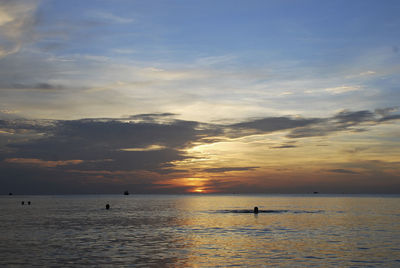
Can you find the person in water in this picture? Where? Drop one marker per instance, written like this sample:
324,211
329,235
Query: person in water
255,210
107,206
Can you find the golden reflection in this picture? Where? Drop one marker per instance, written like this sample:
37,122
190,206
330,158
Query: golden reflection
314,230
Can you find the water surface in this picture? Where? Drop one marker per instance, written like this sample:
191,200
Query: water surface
200,230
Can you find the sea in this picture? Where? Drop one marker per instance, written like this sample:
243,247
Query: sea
200,231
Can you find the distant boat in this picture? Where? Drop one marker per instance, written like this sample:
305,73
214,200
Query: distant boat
126,193
316,192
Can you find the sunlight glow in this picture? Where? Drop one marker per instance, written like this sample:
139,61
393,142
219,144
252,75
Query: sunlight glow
198,190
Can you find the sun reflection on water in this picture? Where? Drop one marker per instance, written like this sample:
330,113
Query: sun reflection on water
201,230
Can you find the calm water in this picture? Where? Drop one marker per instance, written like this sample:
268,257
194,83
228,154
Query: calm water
162,230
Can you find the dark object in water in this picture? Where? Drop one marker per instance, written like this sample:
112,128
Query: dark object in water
22,203
255,210
107,206
29,202
126,193
315,192
9,193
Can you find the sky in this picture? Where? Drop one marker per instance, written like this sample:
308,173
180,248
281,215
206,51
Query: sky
199,96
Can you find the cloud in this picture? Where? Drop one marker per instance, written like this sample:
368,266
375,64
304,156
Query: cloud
344,121
96,151
162,133
131,146
343,171
110,17
342,89
228,169
153,147
349,117
367,73
268,125
95,84
388,114
386,111
40,86
41,163
285,146
311,127
17,19
19,125
37,73
146,149
390,118
153,117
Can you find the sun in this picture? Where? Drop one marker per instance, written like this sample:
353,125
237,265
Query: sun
192,184
198,190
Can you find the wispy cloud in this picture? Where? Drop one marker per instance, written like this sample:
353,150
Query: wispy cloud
342,121
367,73
342,171
39,86
42,163
284,146
17,19
103,15
228,169
342,89
153,147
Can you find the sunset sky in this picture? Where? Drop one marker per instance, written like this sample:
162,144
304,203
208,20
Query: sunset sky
199,96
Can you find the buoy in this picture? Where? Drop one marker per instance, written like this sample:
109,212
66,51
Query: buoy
255,210
107,206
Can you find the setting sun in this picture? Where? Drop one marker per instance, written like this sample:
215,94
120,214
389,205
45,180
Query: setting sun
198,191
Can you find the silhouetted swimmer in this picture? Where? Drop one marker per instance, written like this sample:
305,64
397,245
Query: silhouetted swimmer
29,202
107,206
255,210
22,203
9,193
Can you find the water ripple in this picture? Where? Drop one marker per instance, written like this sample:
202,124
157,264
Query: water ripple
276,211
